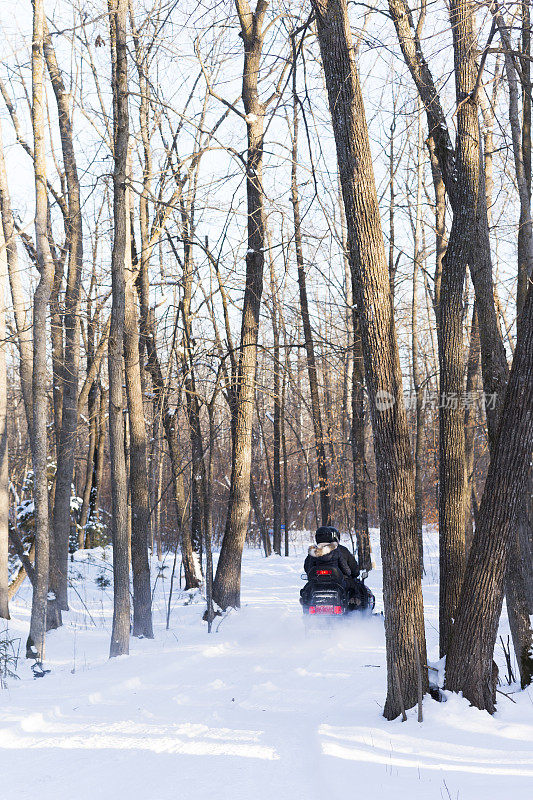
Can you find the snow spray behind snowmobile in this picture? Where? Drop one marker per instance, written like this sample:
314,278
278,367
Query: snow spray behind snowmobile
326,594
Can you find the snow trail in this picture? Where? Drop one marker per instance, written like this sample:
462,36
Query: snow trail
256,710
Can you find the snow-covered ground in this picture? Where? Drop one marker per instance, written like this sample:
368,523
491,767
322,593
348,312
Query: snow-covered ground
255,711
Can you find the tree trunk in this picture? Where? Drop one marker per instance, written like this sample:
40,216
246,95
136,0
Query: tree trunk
35,645
98,469
92,406
276,455
362,534
472,373
260,519
469,667
227,585
70,366
22,323
119,487
285,461
493,358
316,414
404,623
169,420
4,452
417,381
140,501
357,400
208,521
452,463
198,476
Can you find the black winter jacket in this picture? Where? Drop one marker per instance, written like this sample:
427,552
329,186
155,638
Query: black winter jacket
350,560
327,554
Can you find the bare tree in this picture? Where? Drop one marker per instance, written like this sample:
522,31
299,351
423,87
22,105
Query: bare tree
35,645
121,591
4,452
69,372
227,584
404,625
140,502
469,667
466,190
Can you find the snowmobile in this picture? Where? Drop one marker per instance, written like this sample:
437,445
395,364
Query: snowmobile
327,595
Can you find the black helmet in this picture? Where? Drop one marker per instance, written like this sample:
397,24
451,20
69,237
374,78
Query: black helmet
327,533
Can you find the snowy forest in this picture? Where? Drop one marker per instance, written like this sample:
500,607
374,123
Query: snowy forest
265,271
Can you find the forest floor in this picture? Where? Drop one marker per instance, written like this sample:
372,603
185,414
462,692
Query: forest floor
255,711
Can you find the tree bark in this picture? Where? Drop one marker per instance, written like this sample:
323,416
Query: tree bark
276,450
260,519
452,463
357,400
523,179
35,645
494,366
227,584
140,501
119,488
362,534
404,623
469,666
472,372
70,366
417,380
4,450
198,472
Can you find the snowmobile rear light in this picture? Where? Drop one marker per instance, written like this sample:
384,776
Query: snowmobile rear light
312,609
323,572
337,609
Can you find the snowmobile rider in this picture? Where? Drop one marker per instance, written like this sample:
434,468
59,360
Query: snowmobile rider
327,539
327,553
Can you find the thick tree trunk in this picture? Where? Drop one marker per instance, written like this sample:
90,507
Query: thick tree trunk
404,623
119,487
469,666
521,571
4,452
493,358
526,516
227,584
452,462
35,644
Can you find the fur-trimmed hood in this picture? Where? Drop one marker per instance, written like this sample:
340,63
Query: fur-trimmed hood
323,549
